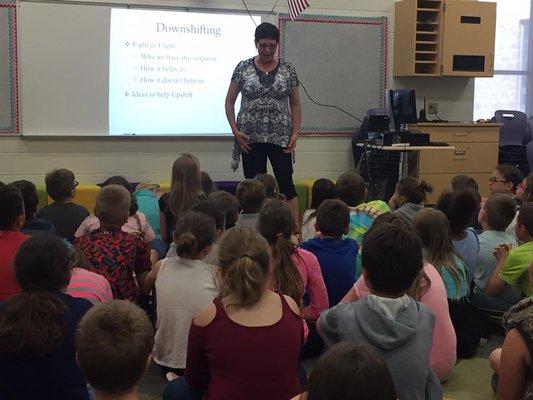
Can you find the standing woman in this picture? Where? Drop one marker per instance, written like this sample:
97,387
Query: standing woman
269,120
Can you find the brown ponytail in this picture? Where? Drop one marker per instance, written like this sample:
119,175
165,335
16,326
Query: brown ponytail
194,232
276,225
413,190
244,262
30,322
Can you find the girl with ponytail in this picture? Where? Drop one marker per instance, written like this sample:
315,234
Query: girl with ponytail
295,271
183,286
409,198
246,344
38,326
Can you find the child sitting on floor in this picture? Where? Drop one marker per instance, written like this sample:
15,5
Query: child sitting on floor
66,215
251,195
113,348
350,372
271,186
460,207
388,320
11,238
409,197
512,264
428,288
322,189
184,285
470,325
227,203
246,344
336,255
295,271
497,213
120,257
38,326
32,224
351,189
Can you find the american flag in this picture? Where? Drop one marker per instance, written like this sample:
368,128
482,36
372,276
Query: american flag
296,7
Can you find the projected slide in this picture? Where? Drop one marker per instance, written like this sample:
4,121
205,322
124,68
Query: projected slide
169,71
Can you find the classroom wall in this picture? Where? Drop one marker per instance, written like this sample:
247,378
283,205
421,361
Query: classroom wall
142,159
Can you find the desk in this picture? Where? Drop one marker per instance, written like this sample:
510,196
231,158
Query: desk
475,154
414,162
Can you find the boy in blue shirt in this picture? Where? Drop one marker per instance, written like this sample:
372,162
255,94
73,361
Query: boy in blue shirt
337,256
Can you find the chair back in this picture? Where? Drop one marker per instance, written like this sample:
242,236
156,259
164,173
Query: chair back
515,129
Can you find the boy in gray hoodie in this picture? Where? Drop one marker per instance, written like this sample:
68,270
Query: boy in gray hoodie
388,320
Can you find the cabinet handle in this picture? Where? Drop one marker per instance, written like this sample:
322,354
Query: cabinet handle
460,134
459,154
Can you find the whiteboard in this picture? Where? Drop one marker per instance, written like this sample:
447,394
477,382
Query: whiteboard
64,68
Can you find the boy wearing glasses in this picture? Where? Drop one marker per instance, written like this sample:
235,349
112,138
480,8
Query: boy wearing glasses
505,179
63,213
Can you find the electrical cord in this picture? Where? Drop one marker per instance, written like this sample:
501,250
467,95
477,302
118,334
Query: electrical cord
328,105
249,13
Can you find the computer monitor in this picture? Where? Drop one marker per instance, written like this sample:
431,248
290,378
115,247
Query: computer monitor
403,107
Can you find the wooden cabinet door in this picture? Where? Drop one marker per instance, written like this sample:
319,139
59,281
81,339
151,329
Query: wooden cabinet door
468,38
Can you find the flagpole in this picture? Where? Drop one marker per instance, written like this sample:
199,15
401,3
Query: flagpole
273,8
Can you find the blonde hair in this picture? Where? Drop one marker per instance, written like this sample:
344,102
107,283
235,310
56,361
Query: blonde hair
434,230
244,262
185,186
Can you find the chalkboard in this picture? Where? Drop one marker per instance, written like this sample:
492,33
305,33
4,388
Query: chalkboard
9,117
341,61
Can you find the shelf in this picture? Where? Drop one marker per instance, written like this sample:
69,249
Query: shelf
427,32
425,62
427,23
425,52
432,10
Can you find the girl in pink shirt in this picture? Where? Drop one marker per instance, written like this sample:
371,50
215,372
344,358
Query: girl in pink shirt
294,271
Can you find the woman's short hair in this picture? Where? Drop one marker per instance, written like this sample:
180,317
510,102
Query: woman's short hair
266,31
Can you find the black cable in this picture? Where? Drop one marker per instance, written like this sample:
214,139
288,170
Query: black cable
328,105
249,13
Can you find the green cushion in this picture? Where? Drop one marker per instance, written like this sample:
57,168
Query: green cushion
41,192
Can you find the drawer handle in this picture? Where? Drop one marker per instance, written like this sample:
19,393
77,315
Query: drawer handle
459,154
460,134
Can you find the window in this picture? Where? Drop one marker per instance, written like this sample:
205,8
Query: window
511,88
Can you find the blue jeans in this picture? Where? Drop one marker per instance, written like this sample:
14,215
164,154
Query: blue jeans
491,304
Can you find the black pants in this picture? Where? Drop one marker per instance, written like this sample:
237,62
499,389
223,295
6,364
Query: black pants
255,162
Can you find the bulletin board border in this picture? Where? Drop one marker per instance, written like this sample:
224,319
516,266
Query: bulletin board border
12,64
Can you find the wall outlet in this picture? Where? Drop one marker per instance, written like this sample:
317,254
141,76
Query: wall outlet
433,108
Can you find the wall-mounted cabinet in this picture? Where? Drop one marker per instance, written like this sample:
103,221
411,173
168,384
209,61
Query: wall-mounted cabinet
444,38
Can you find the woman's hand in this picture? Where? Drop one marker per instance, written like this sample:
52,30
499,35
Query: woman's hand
242,139
292,143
